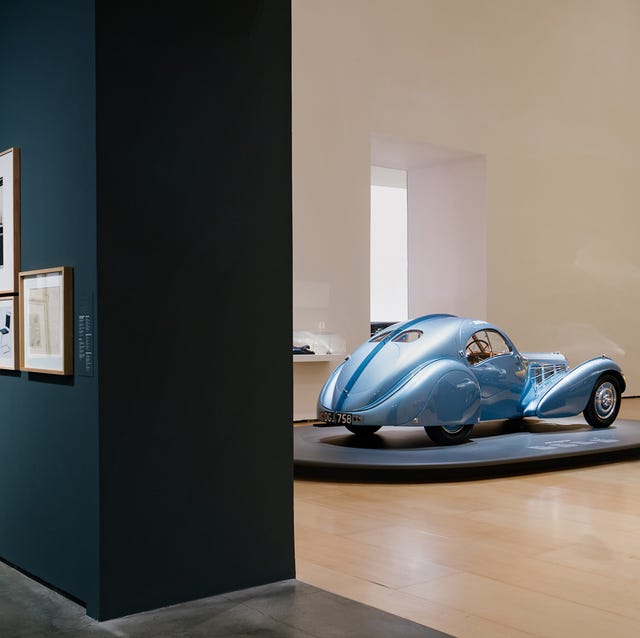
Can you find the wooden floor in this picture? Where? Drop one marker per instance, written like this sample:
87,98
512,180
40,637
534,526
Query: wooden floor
553,554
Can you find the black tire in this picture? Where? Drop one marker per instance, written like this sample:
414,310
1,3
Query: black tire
604,403
363,430
450,435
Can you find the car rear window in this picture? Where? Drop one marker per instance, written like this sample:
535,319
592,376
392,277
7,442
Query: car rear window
380,336
408,336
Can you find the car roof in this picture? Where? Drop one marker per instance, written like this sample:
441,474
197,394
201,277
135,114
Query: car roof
425,321
464,327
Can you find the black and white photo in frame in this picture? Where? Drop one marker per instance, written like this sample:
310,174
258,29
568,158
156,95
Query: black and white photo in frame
9,220
8,332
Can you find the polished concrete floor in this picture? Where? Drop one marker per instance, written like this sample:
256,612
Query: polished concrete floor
287,609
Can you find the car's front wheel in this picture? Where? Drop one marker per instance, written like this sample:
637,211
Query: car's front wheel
449,434
363,430
604,403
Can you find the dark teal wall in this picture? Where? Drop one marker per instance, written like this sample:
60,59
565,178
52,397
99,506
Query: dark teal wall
156,160
49,425
194,237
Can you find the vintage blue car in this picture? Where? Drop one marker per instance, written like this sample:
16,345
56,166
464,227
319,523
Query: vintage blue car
447,373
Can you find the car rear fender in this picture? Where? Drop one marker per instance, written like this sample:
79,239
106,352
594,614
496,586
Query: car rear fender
451,393
570,395
326,397
442,392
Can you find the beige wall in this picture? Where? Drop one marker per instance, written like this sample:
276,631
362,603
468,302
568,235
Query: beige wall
546,90
447,239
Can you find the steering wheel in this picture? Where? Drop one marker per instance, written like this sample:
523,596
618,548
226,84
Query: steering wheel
478,350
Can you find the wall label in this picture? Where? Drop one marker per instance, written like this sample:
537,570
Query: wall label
85,335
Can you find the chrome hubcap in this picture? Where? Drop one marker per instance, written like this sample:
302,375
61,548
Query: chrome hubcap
452,429
605,400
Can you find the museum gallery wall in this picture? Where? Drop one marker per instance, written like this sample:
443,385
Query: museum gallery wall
544,93
123,470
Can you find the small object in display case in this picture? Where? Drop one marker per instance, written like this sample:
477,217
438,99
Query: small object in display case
321,343
302,350
447,373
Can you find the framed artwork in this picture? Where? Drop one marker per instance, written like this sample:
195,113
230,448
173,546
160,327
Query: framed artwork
9,220
9,357
46,312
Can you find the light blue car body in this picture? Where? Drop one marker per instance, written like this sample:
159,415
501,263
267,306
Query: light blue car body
430,381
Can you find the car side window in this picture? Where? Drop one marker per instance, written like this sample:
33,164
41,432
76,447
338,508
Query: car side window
485,344
498,343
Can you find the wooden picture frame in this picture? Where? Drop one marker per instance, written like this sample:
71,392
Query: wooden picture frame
9,353
9,220
46,326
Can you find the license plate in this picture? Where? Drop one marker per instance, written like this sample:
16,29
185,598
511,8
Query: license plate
339,418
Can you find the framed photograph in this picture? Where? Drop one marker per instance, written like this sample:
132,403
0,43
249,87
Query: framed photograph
46,312
9,358
9,220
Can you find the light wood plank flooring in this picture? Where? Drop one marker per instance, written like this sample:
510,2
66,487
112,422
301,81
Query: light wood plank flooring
552,554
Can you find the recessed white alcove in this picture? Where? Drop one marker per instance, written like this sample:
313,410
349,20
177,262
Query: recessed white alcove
446,224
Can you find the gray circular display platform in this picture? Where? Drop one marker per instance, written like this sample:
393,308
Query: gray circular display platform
492,444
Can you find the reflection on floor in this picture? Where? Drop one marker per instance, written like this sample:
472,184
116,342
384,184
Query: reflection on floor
286,609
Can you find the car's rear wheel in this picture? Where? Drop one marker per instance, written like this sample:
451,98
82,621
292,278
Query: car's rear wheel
604,403
363,430
449,434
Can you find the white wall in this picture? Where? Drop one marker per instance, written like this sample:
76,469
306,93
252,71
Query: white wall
547,91
389,244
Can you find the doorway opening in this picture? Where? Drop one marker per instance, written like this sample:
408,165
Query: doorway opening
388,256
444,236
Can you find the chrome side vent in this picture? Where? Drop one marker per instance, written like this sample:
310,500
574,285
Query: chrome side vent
543,373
